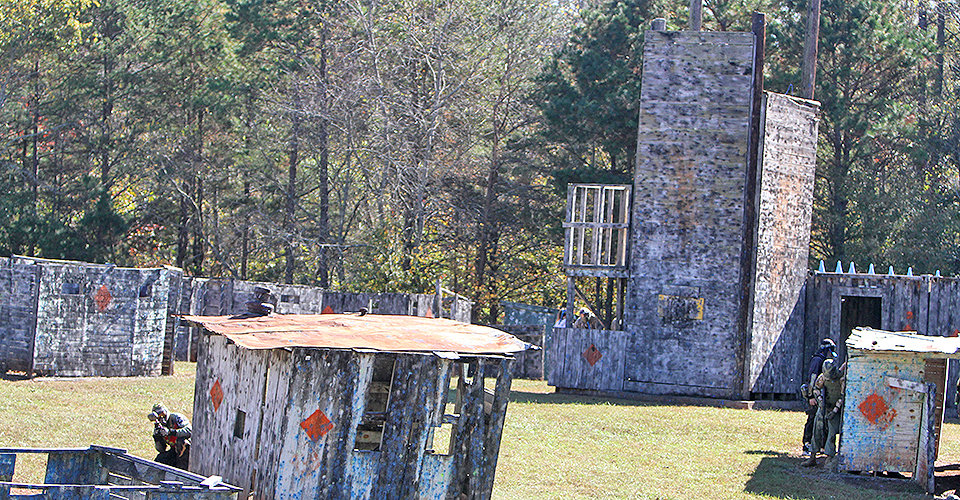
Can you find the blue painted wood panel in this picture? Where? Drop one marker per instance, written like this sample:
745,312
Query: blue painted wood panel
881,424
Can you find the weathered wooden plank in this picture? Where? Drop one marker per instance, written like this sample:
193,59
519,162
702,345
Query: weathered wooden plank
494,430
593,375
881,424
8,465
400,452
553,345
467,432
926,448
343,370
572,360
73,467
935,372
18,321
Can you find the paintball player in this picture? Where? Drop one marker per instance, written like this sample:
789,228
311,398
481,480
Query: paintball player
828,392
171,436
587,320
827,350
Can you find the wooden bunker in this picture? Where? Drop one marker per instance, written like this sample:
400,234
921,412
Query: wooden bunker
65,318
697,269
893,405
102,473
350,406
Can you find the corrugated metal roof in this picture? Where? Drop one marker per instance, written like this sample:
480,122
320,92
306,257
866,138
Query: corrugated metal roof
352,331
869,339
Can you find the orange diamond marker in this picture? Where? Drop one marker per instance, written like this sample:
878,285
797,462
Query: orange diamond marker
317,425
327,310
216,395
592,355
102,298
876,411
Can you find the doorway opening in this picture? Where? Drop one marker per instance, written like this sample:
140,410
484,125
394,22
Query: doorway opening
855,312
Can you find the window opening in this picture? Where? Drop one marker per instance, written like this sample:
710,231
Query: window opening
70,289
238,424
146,290
370,430
443,434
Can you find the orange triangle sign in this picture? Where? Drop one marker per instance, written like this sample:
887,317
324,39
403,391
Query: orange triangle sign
327,310
429,313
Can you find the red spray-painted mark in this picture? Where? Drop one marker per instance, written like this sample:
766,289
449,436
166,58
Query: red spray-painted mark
216,395
102,298
592,355
429,313
317,425
956,333
327,310
876,411
909,314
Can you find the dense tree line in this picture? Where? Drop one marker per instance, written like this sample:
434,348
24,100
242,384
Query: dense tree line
385,145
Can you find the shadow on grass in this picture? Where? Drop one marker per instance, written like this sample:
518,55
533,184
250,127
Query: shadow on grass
780,475
560,398
14,376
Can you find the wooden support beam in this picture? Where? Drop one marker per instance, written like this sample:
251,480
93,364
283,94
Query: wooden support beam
923,474
809,76
749,235
696,15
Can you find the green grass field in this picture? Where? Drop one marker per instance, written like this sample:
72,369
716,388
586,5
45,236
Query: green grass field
554,445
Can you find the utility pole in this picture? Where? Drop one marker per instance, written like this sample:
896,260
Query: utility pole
810,50
696,15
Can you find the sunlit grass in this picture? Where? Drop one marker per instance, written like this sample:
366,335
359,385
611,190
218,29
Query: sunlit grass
554,446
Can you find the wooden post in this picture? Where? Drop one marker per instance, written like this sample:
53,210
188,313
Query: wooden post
926,452
748,242
659,24
810,50
696,15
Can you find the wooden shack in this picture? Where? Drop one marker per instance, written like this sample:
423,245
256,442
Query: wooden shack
350,406
893,406
66,318
839,301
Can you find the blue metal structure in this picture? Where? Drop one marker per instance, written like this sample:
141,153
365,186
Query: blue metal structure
99,472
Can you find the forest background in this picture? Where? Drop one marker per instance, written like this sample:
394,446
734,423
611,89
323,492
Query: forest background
380,145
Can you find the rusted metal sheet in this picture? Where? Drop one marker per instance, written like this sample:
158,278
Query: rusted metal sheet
371,331
868,339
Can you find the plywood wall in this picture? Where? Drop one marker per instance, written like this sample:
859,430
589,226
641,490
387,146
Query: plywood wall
682,300
100,320
881,424
18,314
785,200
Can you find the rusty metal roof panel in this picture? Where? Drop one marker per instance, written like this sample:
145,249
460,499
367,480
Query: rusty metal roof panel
351,331
869,339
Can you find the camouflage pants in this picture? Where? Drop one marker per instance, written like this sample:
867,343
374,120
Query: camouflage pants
825,430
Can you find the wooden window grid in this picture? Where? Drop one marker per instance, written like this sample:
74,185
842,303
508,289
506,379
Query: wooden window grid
597,226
